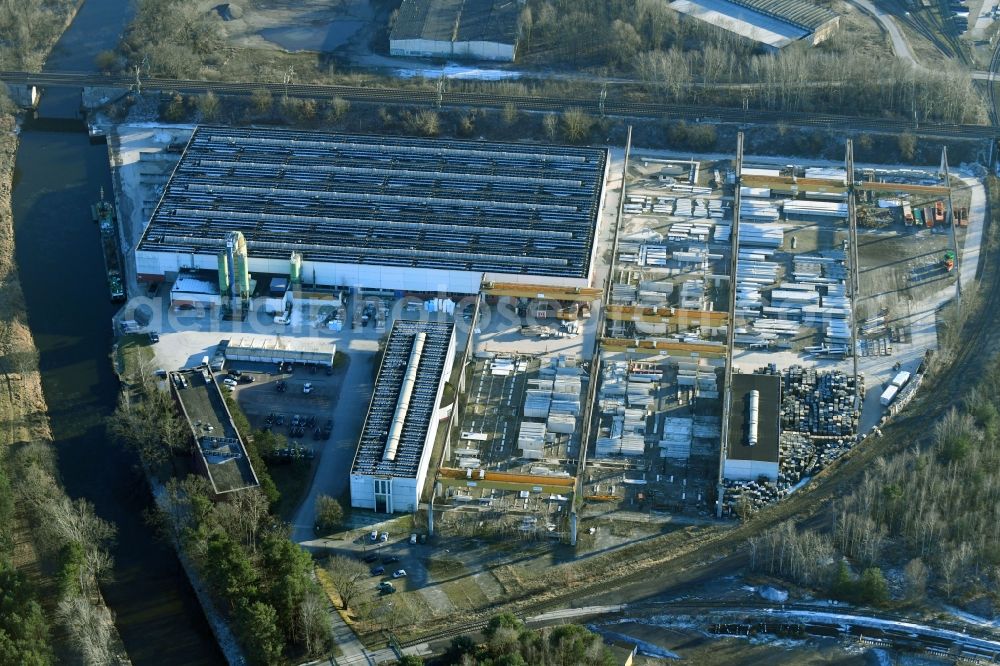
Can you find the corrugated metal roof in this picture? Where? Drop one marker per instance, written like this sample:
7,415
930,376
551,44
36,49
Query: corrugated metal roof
420,403
457,20
396,201
797,12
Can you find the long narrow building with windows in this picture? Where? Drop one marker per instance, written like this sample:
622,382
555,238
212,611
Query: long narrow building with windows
397,440
379,212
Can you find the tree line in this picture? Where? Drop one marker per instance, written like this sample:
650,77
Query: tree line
932,513
676,60
262,581
29,28
510,643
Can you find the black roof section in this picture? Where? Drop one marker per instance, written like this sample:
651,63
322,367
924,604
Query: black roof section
457,20
396,201
421,405
769,416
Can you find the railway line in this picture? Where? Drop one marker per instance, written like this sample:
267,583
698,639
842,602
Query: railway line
721,553
612,106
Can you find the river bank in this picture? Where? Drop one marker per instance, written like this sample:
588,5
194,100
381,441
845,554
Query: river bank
51,174
28,434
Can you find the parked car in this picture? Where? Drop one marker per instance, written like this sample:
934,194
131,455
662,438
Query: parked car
413,538
390,559
247,379
307,387
154,338
399,573
378,571
228,381
373,536
370,557
386,587
235,373
384,537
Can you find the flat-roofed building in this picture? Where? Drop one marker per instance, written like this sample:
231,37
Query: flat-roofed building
392,213
754,428
281,349
397,439
219,453
477,29
191,290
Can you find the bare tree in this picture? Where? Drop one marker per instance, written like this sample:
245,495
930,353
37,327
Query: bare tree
338,109
550,123
576,124
91,630
509,113
916,574
313,622
347,576
209,106
261,100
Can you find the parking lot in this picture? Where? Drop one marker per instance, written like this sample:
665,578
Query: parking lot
294,412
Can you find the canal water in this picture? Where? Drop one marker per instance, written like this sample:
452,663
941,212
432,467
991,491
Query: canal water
59,173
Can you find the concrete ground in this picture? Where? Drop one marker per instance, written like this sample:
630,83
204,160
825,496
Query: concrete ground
142,166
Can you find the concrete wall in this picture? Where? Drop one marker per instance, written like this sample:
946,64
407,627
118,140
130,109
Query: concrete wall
478,50
749,470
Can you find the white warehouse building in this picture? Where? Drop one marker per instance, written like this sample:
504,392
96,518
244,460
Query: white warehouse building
388,213
476,29
397,440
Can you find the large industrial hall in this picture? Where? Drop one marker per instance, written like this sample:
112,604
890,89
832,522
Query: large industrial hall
394,213
398,437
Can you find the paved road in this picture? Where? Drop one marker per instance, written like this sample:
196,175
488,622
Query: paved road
899,43
974,234
338,454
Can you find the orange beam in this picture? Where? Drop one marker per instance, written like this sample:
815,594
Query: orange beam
508,477
667,315
787,182
935,190
667,346
512,289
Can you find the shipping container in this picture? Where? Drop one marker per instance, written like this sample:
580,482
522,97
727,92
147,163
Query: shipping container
888,395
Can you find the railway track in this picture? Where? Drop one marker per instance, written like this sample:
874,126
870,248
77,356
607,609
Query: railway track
722,554
613,106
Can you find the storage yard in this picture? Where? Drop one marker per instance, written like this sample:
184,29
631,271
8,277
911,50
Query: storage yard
664,344
503,458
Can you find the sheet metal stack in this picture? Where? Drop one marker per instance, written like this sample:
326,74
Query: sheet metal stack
627,395
676,440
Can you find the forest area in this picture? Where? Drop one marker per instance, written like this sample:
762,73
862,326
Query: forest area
924,525
261,581
674,59
29,29
51,609
688,61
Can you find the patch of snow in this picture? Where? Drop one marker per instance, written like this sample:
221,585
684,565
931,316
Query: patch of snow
459,72
644,648
881,657
803,481
972,619
773,594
